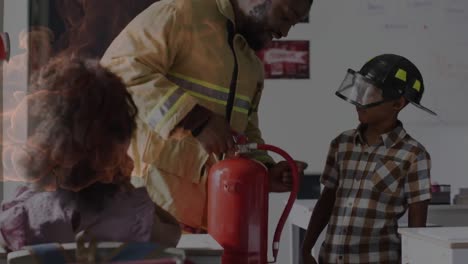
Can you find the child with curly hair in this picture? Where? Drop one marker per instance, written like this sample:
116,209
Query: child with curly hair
77,121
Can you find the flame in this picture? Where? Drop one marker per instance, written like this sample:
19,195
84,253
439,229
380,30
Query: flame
92,25
60,133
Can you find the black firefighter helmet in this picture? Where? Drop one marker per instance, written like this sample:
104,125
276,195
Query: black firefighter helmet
384,78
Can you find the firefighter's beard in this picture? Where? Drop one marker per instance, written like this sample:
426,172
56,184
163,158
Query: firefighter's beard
255,27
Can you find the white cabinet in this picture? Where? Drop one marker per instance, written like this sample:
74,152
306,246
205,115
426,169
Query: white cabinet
434,245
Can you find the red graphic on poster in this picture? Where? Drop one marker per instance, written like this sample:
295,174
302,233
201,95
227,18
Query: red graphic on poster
286,60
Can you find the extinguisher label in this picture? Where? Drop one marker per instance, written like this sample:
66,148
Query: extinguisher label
231,186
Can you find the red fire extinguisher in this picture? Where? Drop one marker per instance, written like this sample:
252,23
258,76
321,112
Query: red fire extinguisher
238,206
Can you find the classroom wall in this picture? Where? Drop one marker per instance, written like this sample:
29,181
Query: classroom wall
1,87
303,116
14,19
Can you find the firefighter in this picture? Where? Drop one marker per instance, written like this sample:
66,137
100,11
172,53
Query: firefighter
192,70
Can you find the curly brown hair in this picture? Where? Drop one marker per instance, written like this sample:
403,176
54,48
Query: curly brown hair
80,119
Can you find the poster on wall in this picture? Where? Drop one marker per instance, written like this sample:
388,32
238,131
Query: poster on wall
286,60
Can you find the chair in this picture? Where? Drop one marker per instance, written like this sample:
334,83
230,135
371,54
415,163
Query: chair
102,252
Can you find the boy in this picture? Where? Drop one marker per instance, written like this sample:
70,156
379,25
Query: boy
373,174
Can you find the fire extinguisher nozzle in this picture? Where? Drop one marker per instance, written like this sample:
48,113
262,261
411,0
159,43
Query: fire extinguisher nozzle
253,146
246,148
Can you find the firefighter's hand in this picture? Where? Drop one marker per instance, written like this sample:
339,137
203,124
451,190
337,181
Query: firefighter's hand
281,177
216,136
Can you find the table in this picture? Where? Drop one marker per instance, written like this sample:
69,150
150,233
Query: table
438,215
448,245
298,222
201,248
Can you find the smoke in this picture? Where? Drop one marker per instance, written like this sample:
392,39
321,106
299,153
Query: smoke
36,44
71,129
46,138
91,26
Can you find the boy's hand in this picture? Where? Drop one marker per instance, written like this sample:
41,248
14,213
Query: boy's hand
307,258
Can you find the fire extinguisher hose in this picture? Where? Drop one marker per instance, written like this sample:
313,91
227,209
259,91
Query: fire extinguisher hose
292,196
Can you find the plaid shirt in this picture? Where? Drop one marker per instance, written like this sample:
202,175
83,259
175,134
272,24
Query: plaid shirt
375,184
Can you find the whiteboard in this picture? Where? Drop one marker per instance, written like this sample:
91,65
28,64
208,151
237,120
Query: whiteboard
433,34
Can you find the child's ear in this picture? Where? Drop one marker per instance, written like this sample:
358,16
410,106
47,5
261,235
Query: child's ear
399,103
